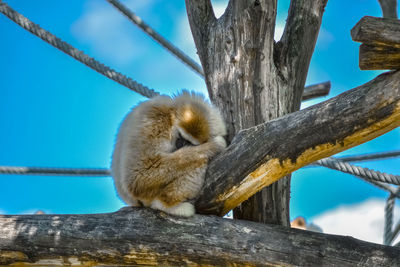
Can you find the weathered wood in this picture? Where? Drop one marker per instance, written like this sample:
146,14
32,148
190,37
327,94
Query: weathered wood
373,57
143,237
316,90
261,155
252,79
389,8
377,31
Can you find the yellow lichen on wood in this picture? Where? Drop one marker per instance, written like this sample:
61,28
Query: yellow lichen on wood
12,255
274,169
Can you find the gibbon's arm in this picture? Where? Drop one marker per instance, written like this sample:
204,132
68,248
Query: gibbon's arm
178,164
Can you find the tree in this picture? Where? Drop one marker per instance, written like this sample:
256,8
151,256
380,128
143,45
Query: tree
256,83
242,61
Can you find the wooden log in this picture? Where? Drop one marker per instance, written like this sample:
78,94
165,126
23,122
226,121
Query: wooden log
263,154
316,90
377,31
143,237
374,57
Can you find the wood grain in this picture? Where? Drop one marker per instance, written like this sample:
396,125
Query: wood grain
143,237
377,31
260,155
374,57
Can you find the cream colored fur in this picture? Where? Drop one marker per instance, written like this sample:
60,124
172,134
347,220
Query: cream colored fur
147,167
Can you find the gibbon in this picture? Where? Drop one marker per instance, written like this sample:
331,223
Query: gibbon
162,150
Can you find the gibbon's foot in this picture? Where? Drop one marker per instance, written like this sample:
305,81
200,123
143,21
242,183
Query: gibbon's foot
184,209
220,141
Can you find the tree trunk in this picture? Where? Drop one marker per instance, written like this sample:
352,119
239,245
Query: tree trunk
263,154
252,79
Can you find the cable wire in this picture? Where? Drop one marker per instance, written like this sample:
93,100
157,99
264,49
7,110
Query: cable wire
366,173
157,37
53,171
75,53
371,156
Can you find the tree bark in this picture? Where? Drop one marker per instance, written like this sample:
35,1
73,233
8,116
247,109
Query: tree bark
143,237
380,48
252,79
379,57
389,8
316,90
377,31
261,155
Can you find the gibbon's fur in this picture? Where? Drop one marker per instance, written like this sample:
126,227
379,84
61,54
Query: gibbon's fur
162,150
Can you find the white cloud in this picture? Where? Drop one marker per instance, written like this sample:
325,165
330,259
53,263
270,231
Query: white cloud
364,220
279,27
219,7
108,32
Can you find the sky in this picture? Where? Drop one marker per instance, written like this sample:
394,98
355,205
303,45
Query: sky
56,112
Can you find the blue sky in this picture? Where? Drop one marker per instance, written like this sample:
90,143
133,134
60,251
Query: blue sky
57,112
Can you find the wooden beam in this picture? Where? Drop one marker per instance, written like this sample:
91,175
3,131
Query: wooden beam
374,57
377,31
261,155
316,90
150,238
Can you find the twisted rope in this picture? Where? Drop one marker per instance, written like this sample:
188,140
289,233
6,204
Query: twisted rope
365,173
387,232
372,156
75,53
157,37
395,233
53,171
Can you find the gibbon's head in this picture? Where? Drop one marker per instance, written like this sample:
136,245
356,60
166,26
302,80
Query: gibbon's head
196,120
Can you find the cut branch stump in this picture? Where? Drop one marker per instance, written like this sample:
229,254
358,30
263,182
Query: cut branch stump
380,38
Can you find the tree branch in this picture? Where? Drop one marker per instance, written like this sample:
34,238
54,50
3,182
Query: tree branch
293,52
201,17
316,90
389,8
263,154
151,238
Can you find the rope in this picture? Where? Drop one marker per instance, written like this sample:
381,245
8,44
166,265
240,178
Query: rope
365,173
53,171
374,156
387,232
75,53
157,37
395,232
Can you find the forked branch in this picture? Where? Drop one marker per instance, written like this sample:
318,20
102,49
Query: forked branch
263,154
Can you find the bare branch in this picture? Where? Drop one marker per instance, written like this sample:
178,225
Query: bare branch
150,238
201,17
293,52
316,90
389,8
263,154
